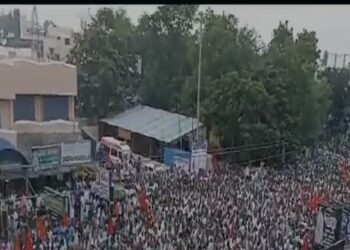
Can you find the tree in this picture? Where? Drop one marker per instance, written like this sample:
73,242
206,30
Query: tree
339,114
290,75
106,63
163,41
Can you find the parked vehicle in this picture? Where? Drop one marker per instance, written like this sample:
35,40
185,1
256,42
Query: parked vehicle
112,151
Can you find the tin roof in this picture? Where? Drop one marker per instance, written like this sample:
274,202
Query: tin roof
154,123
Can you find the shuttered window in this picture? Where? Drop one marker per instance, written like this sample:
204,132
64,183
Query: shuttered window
24,108
55,107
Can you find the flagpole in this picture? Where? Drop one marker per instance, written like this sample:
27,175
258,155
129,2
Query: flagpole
199,77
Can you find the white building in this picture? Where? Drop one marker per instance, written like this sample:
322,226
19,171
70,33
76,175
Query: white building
58,41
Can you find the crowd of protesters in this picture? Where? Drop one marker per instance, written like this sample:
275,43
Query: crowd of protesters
249,208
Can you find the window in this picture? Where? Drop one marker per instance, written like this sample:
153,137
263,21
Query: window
51,51
58,38
55,107
67,41
24,108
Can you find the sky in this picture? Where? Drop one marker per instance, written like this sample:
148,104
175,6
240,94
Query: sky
331,22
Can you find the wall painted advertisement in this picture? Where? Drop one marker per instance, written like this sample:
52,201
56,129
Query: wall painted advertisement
77,152
46,156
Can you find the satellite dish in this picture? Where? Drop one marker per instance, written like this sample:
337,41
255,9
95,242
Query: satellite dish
3,41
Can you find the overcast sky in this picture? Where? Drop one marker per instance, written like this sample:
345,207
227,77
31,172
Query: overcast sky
331,22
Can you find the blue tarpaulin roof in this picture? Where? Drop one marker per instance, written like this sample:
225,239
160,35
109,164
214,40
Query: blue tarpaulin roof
9,154
4,144
154,123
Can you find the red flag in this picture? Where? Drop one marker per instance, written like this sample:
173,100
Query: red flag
66,220
110,226
305,244
29,240
143,200
315,202
18,243
40,228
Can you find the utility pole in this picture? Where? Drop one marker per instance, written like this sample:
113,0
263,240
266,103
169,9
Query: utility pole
335,59
199,76
344,60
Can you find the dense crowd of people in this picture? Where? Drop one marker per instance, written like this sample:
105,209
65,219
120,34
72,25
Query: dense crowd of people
248,208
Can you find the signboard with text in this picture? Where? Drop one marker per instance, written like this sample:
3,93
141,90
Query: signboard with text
46,156
76,152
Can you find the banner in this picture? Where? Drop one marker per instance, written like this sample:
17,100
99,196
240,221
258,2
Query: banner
199,156
328,226
76,152
345,223
46,156
177,158
103,188
55,201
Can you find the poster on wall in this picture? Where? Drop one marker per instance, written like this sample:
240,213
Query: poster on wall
46,156
76,152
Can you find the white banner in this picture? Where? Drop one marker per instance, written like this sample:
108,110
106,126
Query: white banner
77,152
103,185
199,156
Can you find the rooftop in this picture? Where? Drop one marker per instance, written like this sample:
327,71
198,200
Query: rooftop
154,123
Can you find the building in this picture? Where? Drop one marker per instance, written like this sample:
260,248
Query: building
58,41
53,42
37,104
149,130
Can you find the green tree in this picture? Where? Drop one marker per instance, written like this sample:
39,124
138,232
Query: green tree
339,115
301,99
163,40
106,63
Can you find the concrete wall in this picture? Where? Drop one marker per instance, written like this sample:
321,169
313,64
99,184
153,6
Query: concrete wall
20,76
56,126
6,114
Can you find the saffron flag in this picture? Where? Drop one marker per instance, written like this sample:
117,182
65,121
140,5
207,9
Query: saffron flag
40,228
305,244
143,200
18,243
29,240
110,226
66,220
314,204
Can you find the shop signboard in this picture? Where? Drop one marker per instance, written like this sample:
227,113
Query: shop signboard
76,152
46,156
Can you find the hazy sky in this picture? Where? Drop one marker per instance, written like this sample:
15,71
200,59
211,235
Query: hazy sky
331,22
